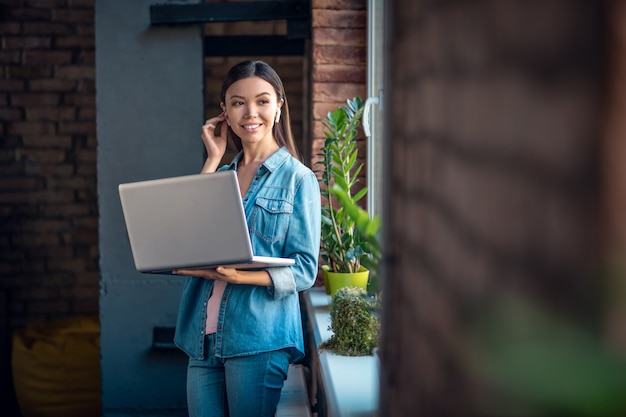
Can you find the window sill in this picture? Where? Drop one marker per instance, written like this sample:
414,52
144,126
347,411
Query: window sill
349,384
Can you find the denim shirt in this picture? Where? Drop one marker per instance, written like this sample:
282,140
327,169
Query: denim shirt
283,212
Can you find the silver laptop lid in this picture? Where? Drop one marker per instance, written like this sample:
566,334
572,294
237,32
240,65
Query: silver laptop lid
190,221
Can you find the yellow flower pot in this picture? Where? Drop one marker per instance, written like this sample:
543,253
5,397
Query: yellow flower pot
335,280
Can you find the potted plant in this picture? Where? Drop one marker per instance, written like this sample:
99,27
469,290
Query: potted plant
354,322
349,239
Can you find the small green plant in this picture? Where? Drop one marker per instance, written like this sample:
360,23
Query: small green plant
349,233
354,322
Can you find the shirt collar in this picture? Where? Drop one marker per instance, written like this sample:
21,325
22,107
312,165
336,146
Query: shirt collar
271,163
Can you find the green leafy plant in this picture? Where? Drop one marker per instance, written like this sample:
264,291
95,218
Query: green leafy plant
349,234
354,322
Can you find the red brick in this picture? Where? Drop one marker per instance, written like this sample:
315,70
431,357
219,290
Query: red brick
47,57
73,15
73,72
337,92
36,239
41,156
31,128
8,28
347,55
41,28
339,19
21,183
28,99
86,156
12,85
8,155
82,100
27,14
87,113
86,29
10,57
56,113
85,194
47,141
45,226
44,196
70,183
52,84
77,127
7,113
86,168
343,37
339,73
74,42
320,110
318,127
91,142
66,210
30,71
85,237
87,58
27,42
87,86
13,3
52,169
67,265
339,4
89,4
86,222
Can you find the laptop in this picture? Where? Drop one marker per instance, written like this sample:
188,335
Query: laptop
191,222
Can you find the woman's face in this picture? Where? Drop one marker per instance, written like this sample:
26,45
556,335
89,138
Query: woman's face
251,106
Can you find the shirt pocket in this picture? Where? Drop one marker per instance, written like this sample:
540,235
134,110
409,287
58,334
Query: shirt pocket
270,218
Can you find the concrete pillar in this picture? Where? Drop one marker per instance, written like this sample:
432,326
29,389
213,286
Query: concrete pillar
149,112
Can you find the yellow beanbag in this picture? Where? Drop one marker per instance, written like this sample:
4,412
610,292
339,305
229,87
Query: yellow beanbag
56,368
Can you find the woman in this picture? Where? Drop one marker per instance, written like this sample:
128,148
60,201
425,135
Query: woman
242,329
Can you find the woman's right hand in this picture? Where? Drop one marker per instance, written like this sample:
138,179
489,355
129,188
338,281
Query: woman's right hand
215,145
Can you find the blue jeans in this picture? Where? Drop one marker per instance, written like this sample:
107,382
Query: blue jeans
245,386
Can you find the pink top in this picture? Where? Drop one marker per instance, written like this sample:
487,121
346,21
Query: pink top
213,307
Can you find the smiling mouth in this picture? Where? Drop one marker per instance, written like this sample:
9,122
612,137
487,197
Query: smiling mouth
251,127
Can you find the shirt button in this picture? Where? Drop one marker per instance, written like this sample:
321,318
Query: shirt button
219,327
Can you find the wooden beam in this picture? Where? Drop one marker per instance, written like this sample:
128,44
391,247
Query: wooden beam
252,45
172,14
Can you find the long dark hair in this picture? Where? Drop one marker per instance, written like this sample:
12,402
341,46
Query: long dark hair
282,129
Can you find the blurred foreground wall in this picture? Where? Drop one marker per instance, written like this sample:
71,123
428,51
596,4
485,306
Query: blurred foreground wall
505,206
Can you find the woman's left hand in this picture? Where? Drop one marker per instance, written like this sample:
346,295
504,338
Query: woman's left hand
230,275
221,273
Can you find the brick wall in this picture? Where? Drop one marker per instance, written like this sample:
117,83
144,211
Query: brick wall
495,110
48,202
339,59
48,236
